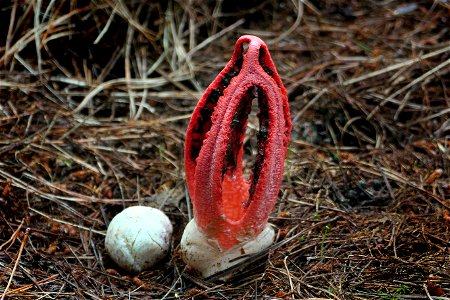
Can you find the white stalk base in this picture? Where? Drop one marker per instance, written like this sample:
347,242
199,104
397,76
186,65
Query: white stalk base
204,255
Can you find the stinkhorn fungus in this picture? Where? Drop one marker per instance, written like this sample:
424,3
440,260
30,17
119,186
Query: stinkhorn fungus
230,210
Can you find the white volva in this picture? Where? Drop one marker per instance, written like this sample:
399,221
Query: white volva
138,237
205,256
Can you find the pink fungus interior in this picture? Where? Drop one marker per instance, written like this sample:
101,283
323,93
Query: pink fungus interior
235,194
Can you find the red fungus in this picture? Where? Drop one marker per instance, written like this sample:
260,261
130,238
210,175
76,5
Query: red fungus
228,207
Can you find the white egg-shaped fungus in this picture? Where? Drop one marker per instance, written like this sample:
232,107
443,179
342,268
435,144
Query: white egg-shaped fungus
138,237
204,255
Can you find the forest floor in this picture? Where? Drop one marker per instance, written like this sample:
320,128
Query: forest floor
95,98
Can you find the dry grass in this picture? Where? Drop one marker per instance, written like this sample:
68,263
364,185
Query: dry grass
95,99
